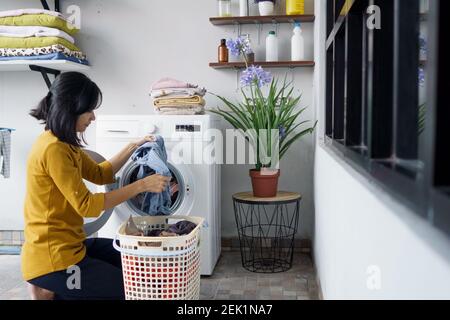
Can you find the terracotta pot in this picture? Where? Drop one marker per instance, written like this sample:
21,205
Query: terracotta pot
264,185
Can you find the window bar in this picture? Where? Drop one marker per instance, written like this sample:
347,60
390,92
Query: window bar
380,84
406,66
339,88
354,88
440,114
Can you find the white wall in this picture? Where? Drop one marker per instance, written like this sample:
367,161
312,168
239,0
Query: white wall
361,234
130,45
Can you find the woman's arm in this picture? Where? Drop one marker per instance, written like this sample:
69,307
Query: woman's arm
154,183
122,157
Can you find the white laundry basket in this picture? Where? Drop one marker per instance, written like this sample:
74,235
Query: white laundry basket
161,268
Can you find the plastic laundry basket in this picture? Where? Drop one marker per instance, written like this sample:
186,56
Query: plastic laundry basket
161,268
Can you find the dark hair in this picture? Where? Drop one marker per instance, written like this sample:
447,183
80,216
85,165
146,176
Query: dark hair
71,94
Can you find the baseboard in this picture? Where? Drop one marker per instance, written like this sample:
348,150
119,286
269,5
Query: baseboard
16,238
10,250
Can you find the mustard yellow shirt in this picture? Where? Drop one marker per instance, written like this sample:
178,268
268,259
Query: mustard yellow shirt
56,202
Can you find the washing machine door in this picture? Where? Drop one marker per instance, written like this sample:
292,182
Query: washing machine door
180,188
93,226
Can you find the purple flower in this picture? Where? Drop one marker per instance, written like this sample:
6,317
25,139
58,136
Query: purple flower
282,131
238,46
421,77
423,45
255,74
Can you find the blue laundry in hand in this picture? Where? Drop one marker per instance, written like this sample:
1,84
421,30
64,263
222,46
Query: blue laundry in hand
152,158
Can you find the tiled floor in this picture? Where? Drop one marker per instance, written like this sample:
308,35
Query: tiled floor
229,282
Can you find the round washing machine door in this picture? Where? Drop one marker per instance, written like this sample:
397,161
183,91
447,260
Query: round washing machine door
181,188
91,226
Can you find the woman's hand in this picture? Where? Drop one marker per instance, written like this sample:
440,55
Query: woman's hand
146,139
122,157
155,183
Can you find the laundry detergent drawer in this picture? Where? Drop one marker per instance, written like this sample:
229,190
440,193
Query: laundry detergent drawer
118,129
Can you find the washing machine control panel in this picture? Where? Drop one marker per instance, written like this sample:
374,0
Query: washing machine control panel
187,128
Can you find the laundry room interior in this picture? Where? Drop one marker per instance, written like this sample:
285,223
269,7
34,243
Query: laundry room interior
331,222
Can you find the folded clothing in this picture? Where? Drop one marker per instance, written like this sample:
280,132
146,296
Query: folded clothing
20,12
45,19
183,92
179,101
33,31
33,42
182,111
26,52
51,56
165,83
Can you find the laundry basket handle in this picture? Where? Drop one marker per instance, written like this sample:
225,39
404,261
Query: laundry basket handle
145,252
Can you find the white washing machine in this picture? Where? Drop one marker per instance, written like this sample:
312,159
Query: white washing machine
198,183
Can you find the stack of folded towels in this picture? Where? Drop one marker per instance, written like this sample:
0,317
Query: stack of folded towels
176,97
37,34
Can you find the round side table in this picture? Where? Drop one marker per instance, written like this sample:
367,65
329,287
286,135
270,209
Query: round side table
266,229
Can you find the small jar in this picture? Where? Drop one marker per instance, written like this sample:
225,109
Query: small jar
223,51
224,8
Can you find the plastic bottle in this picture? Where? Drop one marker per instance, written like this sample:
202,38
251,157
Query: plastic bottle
243,8
295,7
223,51
271,47
297,44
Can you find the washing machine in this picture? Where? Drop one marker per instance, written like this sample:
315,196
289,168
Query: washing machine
196,184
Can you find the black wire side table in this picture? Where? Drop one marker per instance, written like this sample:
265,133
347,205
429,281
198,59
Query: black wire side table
267,229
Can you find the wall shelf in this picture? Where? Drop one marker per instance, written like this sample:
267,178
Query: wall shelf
264,64
220,21
24,65
45,67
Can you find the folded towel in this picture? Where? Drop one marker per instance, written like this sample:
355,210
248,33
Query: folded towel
165,83
177,101
51,56
182,111
179,92
44,20
33,31
33,42
28,52
21,12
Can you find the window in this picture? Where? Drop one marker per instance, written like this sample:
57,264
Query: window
386,75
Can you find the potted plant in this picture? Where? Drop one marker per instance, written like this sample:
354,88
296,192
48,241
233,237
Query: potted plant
266,7
259,116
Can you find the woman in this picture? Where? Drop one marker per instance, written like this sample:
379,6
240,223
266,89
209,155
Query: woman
57,259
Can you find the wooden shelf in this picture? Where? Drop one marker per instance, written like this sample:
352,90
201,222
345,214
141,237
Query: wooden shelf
264,64
24,65
219,21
